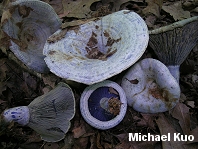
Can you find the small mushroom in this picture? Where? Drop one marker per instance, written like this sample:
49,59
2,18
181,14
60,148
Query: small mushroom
150,87
28,24
49,115
97,50
103,105
173,43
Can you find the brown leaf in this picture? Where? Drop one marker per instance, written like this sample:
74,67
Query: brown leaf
56,37
81,143
49,145
194,132
166,127
57,5
125,144
176,11
79,131
153,7
78,9
113,91
181,112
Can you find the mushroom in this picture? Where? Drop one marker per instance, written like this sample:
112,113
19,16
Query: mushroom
97,50
103,105
173,43
150,87
28,24
49,115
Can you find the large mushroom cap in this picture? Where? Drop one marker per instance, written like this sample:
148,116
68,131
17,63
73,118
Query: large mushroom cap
99,49
150,87
29,25
103,105
173,43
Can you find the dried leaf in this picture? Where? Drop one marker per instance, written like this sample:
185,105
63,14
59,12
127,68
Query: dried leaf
125,144
56,37
81,143
153,7
113,91
78,9
58,6
194,132
181,112
76,23
51,146
79,131
176,11
166,127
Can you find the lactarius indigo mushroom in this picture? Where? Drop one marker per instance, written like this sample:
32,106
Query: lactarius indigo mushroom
173,43
103,105
150,87
28,24
97,50
49,115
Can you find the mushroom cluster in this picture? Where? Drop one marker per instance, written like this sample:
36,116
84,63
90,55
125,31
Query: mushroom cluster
91,53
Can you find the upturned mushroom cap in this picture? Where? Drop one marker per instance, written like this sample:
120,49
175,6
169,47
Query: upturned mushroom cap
173,43
150,87
49,115
99,49
29,25
94,103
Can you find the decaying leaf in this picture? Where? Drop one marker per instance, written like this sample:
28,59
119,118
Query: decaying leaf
56,37
181,112
78,9
79,131
176,11
166,127
58,7
147,120
113,91
194,132
76,22
154,7
125,144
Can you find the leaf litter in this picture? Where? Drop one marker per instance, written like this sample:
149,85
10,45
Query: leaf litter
18,87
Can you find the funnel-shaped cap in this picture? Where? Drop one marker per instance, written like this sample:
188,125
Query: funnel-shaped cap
29,25
99,49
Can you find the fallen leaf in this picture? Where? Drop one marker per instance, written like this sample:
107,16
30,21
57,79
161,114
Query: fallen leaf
181,112
81,143
194,132
49,145
176,11
166,127
153,7
125,144
78,9
79,131
57,5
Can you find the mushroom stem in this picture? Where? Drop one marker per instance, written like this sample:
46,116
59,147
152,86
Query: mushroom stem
174,70
20,115
104,103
